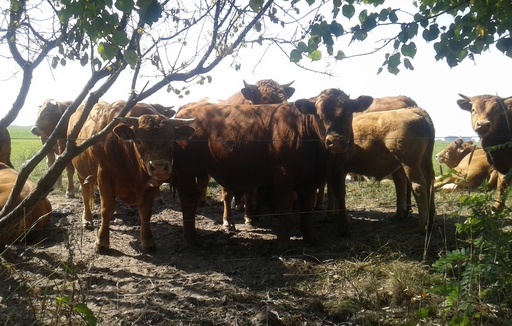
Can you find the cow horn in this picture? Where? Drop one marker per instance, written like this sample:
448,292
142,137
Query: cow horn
249,86
288,85
182,122
464,97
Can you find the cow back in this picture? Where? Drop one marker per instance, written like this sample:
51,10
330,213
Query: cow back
391,103
42,209
5,147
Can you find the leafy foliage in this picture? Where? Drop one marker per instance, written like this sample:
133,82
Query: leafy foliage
478,274
457,30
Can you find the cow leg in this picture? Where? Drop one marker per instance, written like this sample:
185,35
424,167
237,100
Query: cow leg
190,190
320,197
284,207
50,157
401,189
423,196
145,211
336,184
70,190
87,186
108,208
252,203
306,200
501,186
227,218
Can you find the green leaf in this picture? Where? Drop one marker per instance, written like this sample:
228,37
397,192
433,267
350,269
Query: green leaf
302,47
131,58
295,55
84,59
409,50
150,11
348,11
125,6
340,55
408,65
336,28
119,38
431,33
393,63
256,5
504,44
393,17
107,51
383,15
87,313
315,55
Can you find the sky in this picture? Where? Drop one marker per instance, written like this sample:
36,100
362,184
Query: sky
432,84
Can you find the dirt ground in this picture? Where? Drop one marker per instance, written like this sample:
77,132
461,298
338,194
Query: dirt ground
237,278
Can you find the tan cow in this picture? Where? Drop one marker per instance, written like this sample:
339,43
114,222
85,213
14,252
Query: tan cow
34,221
401,143
48,116
471,172
455,152
129,163
491,119
387,103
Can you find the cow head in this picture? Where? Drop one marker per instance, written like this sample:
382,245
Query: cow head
154,137
267,91
455,152
333,111
488,112
48,116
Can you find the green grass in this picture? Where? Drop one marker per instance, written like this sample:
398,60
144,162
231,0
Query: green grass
24,145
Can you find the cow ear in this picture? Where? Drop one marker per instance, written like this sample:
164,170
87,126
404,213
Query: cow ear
249,94
362,103
124,132
170,113
305,106
289,91
464,103
183,132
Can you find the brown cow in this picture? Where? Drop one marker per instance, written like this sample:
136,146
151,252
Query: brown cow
5,147
400,143
265,91
289,146
130,163
48,116
455,152
34,221
491,119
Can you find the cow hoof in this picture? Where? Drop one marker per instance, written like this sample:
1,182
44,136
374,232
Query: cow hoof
102,249
146,249
70,195
229,228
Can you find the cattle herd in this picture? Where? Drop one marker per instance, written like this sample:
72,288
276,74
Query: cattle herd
257,142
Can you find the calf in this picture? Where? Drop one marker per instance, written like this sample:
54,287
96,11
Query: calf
34,221
129,163
455,152
290,146
48,116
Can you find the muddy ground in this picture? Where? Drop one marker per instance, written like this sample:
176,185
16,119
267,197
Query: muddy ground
236,278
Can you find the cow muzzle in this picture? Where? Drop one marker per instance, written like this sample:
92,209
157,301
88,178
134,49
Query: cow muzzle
35,131
482,127
337,144
159,169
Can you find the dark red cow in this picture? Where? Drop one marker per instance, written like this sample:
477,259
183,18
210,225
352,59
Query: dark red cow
291,146
491,119
48,116
130,163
